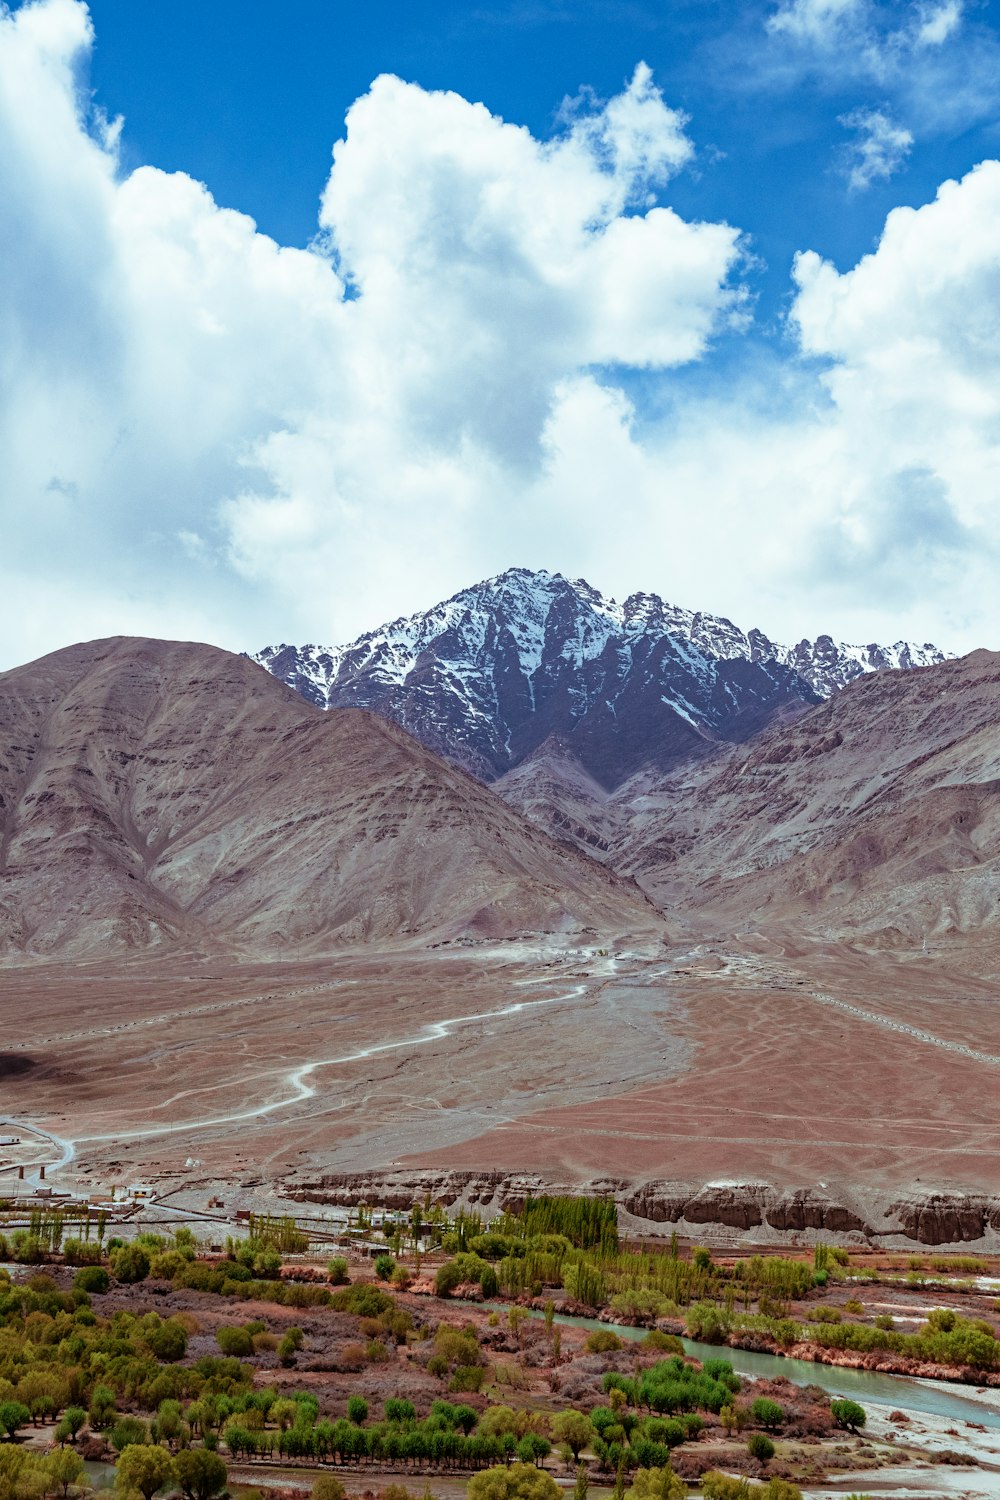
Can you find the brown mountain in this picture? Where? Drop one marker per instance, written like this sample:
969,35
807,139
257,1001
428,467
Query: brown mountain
157,792
876,813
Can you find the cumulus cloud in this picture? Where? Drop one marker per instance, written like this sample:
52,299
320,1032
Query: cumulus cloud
858,482
187,407
879,150
209,434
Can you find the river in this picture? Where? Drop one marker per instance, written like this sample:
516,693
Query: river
933,1397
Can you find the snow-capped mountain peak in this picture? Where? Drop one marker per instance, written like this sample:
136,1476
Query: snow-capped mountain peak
486,676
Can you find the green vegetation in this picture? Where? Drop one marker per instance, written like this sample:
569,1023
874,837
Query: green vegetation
848,1414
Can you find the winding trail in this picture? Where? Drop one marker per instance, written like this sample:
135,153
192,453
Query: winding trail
297,1080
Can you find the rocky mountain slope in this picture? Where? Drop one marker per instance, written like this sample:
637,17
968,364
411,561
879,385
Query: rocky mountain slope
876,812
486,677
157,792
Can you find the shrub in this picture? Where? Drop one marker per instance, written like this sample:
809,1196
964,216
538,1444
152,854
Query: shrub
663,1343
363,1299
127,1433
602,1341
488,1283
384,1267
130,1263
92,1279
234,1341
848,1414
447,1278
760,1447
767,1413
357,1410
336,1270
169,1341
327,1487
517,1481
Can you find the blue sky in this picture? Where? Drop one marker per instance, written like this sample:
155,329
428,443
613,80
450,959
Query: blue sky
776,401
249,98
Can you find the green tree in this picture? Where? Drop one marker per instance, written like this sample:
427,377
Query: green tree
518,1482
129,1263
200,1474
336,1270
63,1468
143,1467
102,1407
533,1448
656,1484
283,1413
74,1417
574,1429
13,1414
384,1267
357,1410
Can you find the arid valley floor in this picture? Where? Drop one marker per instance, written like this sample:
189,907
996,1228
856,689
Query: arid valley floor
679,1070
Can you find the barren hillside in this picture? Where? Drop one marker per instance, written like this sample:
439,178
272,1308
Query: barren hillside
875,813
159,792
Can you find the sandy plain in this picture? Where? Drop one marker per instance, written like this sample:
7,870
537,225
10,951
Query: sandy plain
574,1064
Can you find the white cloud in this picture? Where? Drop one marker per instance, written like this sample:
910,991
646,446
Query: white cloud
819,22
858,485
206,433
936,64
879,151
936,23
234,431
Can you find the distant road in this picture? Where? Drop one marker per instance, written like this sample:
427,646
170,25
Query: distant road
914,1031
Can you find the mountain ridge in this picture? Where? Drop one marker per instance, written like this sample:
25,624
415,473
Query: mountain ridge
486,676
163,793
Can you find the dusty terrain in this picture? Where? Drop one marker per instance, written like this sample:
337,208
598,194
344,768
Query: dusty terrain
252,948
681,1084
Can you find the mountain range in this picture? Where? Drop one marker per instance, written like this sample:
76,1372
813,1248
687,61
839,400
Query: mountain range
488,676
635,766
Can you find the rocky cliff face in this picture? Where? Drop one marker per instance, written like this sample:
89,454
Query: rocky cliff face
718,1213
488,676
